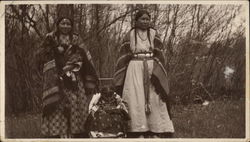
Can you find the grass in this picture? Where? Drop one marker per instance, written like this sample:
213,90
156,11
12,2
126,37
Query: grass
220,119
23,126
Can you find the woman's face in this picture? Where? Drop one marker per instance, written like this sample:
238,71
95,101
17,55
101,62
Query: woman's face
65,26
143,22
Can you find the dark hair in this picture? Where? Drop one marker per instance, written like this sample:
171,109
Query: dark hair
107,92
138,14
141,12
57,26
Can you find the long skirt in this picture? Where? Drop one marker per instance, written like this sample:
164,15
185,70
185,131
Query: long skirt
158,121
71,122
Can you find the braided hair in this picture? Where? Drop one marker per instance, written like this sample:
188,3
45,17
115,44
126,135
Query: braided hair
139,14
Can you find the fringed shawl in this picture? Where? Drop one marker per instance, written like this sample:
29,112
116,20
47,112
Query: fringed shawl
159,76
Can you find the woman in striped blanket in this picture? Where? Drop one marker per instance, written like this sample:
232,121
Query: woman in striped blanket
69,79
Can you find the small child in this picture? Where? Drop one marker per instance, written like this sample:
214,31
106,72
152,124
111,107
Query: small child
108,115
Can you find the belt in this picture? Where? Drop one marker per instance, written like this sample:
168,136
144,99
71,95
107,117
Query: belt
143,55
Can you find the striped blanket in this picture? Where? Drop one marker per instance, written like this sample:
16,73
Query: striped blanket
59,68
159,76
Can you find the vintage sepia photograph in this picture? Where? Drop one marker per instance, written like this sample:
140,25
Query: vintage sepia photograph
124,70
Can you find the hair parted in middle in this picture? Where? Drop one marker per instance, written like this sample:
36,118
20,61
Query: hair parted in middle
64,11
139,13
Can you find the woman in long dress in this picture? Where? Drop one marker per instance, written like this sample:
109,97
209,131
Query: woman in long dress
69,79
142,80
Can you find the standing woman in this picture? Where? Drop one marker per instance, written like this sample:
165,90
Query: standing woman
143,82
69,80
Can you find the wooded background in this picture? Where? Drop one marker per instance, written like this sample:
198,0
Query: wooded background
204,47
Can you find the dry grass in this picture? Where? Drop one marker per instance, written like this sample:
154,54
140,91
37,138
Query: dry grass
220,119
23,126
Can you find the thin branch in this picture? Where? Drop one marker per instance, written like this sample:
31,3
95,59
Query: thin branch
46,16
34,26
112,22
20,17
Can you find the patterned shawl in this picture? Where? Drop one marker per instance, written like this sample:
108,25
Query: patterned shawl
56,65
159,76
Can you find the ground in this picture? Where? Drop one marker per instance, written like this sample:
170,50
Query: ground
219,119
